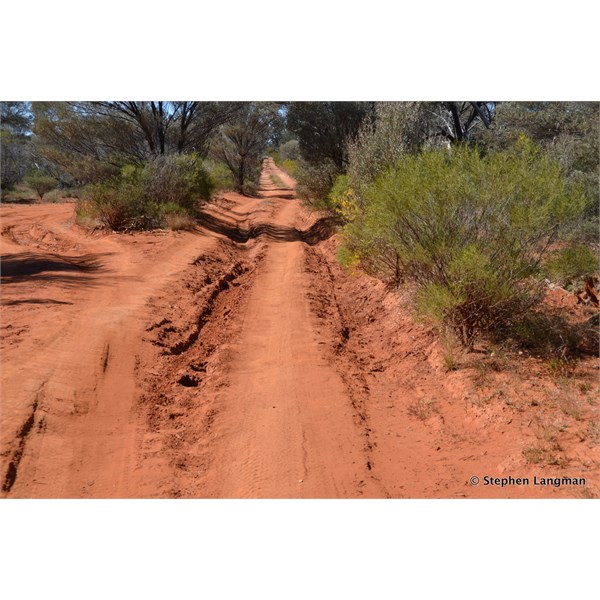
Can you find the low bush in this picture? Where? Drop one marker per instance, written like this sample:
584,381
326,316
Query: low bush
397,129
250,189
550,336
342,198
119,204
570,266
41,183
470,230
142,197
220,175
290,167
315,183
180,179
176,217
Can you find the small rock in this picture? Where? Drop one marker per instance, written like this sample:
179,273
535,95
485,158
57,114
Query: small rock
300,480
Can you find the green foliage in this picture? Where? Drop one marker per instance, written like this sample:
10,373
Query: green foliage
397,128
315,182
290,167
176,218
40,183
118,204
568,132
277,181
343,199
571,264
220,175
289,150
287,156
16,145
470,230
551,336
143,197
324,128
242,143
179,178
346,257
562,368
274,154
90,140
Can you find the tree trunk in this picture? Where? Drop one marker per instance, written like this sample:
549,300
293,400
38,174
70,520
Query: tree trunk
240,175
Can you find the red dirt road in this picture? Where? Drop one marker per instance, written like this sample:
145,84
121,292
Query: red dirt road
285,427
72,328
240,361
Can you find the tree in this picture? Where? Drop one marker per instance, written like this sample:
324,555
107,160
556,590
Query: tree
395,129
15,123
242,143
567,130
461,119
173,126
92,140
41,183
323,129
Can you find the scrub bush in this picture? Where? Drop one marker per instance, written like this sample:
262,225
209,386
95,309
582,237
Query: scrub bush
470,230
141,196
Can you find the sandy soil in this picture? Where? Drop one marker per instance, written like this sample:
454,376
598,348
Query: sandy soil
241,361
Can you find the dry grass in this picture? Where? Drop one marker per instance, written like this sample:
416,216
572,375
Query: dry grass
450,347
549,450
423,408
593,433
550,455
562,367
571,407
179,221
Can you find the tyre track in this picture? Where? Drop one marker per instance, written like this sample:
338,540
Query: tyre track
267,415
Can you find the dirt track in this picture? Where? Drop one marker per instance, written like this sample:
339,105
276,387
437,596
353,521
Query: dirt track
237,361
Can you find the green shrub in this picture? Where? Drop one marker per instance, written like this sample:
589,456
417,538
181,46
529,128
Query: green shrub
289,150
180,179
397,129
470,230
277,181
550,335
40,183
315,183
220,175
55,195
250,188
290,167
343,200
570,265
120,204
142,196
274,154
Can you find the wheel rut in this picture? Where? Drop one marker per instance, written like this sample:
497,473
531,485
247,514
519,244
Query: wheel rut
253,406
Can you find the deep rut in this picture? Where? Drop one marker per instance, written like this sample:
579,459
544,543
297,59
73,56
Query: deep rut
253,406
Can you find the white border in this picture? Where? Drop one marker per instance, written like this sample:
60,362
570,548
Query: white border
313,50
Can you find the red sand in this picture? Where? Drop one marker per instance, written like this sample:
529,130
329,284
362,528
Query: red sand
240,360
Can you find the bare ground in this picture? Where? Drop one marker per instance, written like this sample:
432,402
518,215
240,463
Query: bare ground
241,361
